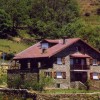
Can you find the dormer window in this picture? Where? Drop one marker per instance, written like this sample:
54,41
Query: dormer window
44,45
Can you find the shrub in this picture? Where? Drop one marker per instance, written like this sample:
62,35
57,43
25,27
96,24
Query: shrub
7,56
88,84
3,78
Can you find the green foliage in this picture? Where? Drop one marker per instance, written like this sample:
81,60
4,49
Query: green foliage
3,77
48,19
39,86
5,23
16,83
18,10
88,84
81,29
49,16
8,56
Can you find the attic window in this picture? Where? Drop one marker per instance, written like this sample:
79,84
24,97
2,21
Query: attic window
44,45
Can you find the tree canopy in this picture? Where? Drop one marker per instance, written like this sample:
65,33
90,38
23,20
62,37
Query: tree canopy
5,23
47,19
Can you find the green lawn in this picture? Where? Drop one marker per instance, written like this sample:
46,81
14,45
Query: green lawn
10,46
63,91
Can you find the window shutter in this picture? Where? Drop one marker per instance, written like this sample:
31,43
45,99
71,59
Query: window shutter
98,62
99,76
91,61
91,76
50,74
63,60
55,75
64,75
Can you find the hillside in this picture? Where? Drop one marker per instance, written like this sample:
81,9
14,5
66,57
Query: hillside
33,19
89,10
11,46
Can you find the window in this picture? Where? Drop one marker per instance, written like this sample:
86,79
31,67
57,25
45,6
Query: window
71,62
77,61
94,62
45,45
58,85
59,75
95,76
82,62
59,61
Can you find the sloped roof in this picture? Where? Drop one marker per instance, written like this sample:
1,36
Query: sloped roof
35,51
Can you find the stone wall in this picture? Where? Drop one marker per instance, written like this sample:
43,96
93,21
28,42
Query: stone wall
14,78
95,68
23,94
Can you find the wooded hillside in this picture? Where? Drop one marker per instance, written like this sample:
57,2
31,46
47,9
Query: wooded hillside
51,19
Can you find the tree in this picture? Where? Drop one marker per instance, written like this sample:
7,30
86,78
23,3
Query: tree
81,29
18,10
49,16
5,24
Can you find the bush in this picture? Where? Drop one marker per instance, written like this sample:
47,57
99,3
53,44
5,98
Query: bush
38,86
7,56
3,78
88,84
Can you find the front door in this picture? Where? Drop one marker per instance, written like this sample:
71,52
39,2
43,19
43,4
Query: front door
81,76
78,76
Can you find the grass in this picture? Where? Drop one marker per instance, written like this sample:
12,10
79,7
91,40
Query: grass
90,6
24,34
93,20
63,91
10,46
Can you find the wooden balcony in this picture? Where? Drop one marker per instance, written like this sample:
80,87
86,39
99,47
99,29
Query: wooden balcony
79,67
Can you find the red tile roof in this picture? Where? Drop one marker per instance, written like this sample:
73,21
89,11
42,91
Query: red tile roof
35,51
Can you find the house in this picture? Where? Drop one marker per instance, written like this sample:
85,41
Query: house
65,60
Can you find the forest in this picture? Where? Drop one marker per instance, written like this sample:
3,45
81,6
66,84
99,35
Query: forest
47,19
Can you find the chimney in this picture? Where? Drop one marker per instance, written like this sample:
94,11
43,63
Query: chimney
85,40
64,39
43,50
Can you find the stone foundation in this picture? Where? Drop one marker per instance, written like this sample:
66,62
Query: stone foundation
17,78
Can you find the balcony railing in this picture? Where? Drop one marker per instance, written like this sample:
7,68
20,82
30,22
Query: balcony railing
79,67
